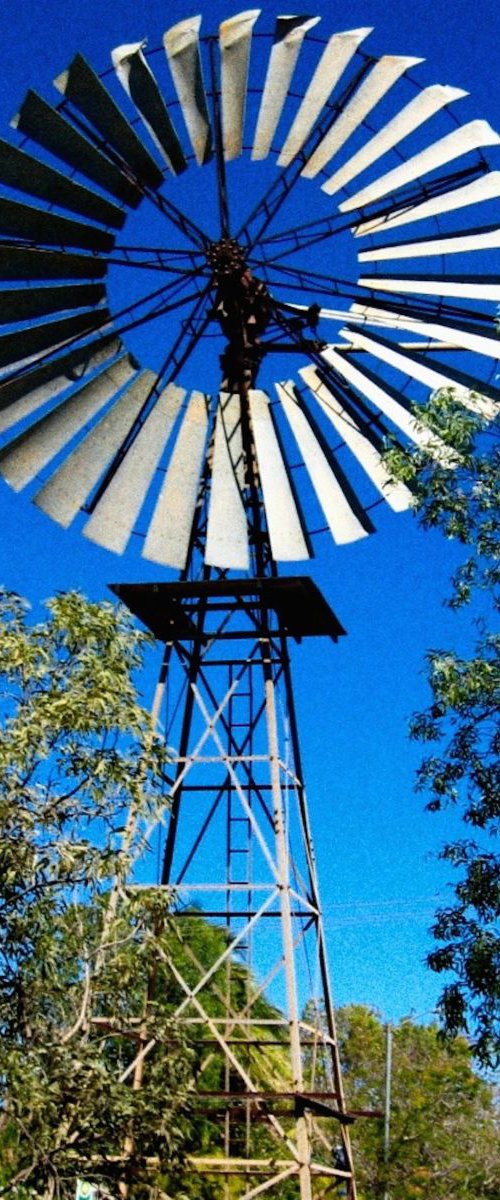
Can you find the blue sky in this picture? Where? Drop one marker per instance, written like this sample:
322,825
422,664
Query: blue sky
376,848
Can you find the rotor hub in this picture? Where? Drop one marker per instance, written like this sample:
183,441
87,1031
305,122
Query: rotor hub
226,258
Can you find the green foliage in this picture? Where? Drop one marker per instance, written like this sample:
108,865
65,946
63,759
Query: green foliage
444,1125
81,773
463,719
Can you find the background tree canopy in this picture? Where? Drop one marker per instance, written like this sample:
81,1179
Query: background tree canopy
463,718
86,977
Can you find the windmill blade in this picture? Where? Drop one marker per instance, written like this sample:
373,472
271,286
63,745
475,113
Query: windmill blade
286,533
38,225
227,533
235,38
28,453
113,519
423,106
22,343
288,38
386,72
169,533
468,137
480,190
417,368
343,521
485,238
365,451
386,401
68,488
20,170
140,84
22,304
25,394
83,88
335,59
473,287
479,343
38,120
182,49
25,262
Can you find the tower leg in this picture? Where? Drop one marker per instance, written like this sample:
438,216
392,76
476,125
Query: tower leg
249,965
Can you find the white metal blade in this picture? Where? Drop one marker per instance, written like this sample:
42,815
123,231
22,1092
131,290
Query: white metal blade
477,342
469,137
285,529
35,399
227,533
129,63
432,287
343,523
183,53
485,188
35,447
113,519
290,33
169,533
65,492
456,243
424,373
397,495
420,109
332,64
396,412
235,37
382,77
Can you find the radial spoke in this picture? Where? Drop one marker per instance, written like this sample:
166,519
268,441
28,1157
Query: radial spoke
192,328
220,164
298,277
282,187
184,224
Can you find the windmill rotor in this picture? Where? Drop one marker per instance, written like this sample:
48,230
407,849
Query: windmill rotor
86,426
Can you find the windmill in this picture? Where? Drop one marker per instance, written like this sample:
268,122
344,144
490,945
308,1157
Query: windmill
203,471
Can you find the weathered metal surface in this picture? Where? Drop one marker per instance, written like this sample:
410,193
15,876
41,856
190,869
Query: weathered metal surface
289,35
21,170
415,113
22,220
443,331
387,403
235,38
80,84
19,346
140,84
113,519
22,304
333,62
35,447
427,373
343,522
66,490
396,494
39,121
471,288
227,532
480,190
182,49
169,533
468,137
455,243
286,534
26,262
383,75
22,397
